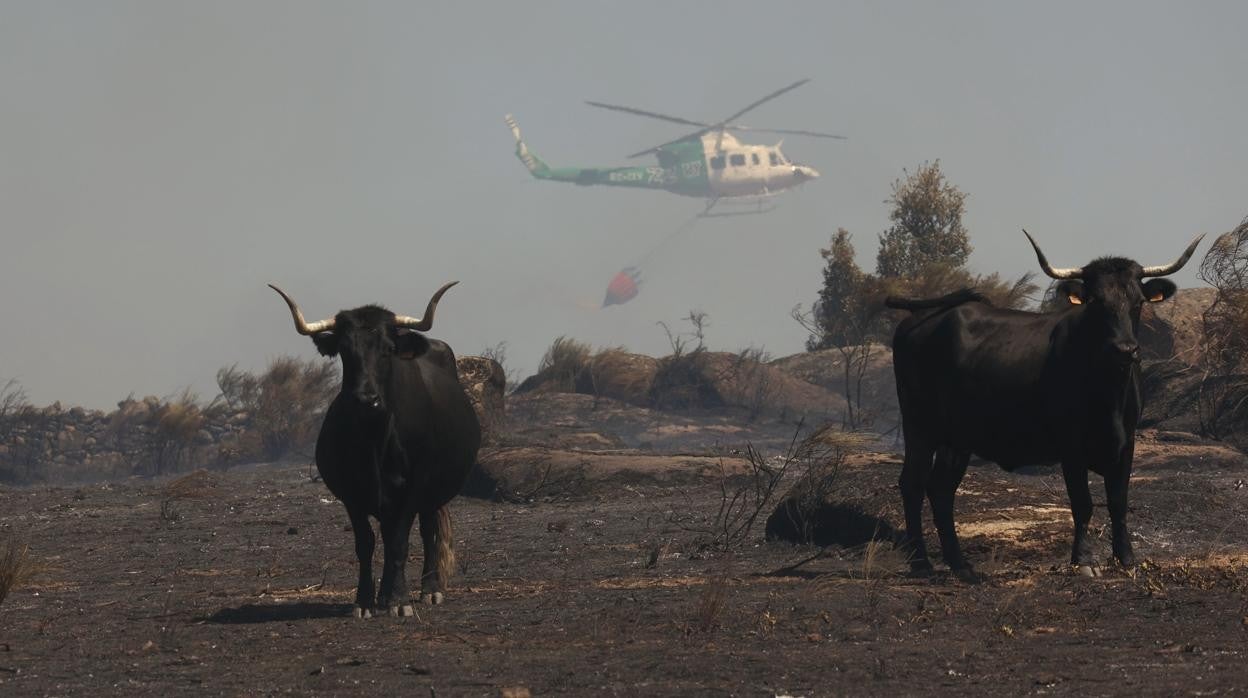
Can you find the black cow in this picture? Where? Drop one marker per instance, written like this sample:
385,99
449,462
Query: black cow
1022,388
397,443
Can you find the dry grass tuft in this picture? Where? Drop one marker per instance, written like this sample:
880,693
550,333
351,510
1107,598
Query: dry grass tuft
710,605
198,484
881,560
564,361
17,567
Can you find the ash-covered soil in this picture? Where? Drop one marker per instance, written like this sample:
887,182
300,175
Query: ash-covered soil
240,583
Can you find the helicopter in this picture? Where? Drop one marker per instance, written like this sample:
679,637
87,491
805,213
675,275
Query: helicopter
709,163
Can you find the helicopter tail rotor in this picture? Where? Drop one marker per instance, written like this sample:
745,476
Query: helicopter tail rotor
531,161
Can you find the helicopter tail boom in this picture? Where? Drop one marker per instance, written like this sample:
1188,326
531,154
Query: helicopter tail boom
531,161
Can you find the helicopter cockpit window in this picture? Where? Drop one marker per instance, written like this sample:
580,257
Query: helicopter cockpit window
775,159
717,162
737,159
754,158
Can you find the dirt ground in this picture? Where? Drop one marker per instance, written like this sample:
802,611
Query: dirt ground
240,583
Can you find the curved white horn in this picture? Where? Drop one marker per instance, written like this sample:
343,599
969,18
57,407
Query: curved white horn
423,324
1168,269
302,326
1055,272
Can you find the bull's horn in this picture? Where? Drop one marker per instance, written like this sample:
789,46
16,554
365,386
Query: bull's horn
1178,263
1056,273
423,324
302,326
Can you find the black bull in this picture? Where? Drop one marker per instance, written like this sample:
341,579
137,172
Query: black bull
1022,388
397,443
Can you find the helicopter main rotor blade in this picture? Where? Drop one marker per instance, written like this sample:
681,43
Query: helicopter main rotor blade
764,100
642,112
786,131
647,151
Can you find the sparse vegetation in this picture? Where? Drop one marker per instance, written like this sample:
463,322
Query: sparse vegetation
498,354
1223,397
284,405
175,425
19,459
564,361
710,603
680,381
923,254
816,460
17,567
617,374
750,382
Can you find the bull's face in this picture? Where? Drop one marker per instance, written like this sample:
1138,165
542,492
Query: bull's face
1110,292
369,340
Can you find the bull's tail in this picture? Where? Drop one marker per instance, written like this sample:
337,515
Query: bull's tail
966,295
446,546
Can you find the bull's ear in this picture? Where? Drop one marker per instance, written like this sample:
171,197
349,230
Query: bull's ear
409,344
1157,290
1070,290
326,343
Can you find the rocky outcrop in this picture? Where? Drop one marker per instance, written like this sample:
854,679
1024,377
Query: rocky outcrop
147,436
152,436
485,383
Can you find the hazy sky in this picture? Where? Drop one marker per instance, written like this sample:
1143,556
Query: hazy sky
160,162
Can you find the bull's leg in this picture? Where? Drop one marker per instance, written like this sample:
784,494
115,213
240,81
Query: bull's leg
1081,556
365,542
436,534
913,484
947,474
1116,500
395,530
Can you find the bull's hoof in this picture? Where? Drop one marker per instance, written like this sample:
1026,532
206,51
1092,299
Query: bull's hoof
404,611
920,570
1088,570
968,575
360,612
431,598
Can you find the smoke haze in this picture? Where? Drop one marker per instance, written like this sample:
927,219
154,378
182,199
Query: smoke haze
160,162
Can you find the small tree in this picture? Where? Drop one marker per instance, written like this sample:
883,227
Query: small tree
923,254
927,225
838,312
847,316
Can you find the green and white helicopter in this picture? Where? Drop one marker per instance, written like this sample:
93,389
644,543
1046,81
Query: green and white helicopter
709,163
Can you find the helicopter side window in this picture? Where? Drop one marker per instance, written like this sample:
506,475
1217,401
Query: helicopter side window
737,159
775,159
754,158
717,162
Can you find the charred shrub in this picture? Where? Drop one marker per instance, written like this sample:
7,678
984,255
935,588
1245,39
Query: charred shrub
174,427
20,449
680,379
820,508
681,383
563,364
1223,401
283,406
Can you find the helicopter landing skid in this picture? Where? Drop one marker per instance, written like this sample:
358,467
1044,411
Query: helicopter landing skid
760,206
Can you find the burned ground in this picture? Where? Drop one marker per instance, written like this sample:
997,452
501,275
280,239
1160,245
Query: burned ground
241,582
